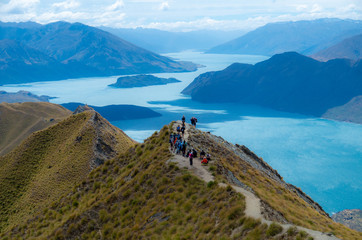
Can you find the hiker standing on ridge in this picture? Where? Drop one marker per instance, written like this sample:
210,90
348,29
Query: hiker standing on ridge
184,146
171,140
191,156
183,120
193,121
183,130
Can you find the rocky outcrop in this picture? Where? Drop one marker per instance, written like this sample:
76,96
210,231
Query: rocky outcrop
352,218
82,108
108,140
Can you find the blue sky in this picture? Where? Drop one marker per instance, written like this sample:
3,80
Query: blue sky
178,15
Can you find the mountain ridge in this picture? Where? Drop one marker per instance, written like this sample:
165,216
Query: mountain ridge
48,163
287,82
19,120
79,50
349,48
168,42
140,193
305,37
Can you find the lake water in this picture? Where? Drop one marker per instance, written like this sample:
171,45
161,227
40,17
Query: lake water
322,157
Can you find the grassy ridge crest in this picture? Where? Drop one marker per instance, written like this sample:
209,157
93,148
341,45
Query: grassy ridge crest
49,163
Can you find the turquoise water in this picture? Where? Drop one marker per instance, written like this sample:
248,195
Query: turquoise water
322,157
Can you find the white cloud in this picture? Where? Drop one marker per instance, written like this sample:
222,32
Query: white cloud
69,4
185,15
61,16
164,6
117,6
301,8
316,8
18,6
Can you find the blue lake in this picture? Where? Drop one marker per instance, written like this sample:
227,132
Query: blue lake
322,157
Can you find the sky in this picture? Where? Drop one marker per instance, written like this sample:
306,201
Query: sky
177,15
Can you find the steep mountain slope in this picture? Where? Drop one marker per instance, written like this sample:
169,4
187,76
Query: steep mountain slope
168,42
83,51
19,62
50,162
306,37
142,194
287,82
19,120
98,49
349,112
350,48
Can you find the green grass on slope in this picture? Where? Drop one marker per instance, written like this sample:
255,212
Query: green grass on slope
19,120
138,195
43,167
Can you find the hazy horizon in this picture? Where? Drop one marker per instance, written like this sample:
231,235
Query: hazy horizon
173,15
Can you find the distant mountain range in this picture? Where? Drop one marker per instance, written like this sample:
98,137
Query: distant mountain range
287,82
21,96
305,37
166,42
20,63
62,50
350,48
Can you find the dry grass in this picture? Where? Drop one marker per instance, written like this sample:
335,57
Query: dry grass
293,208
19,120
45,166
138,195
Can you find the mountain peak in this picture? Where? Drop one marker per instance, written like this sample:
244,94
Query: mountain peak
82,108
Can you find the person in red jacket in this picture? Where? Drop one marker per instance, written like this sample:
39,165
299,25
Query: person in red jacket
204,161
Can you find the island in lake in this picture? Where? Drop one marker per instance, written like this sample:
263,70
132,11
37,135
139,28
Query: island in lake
141,80
117,112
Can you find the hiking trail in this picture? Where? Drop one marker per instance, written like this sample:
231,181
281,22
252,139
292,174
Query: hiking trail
252,202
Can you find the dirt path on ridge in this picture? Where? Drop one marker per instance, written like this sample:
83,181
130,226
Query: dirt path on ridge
252,202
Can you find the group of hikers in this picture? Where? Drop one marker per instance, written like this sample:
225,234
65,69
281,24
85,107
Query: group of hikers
193,121
192,153
179,145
